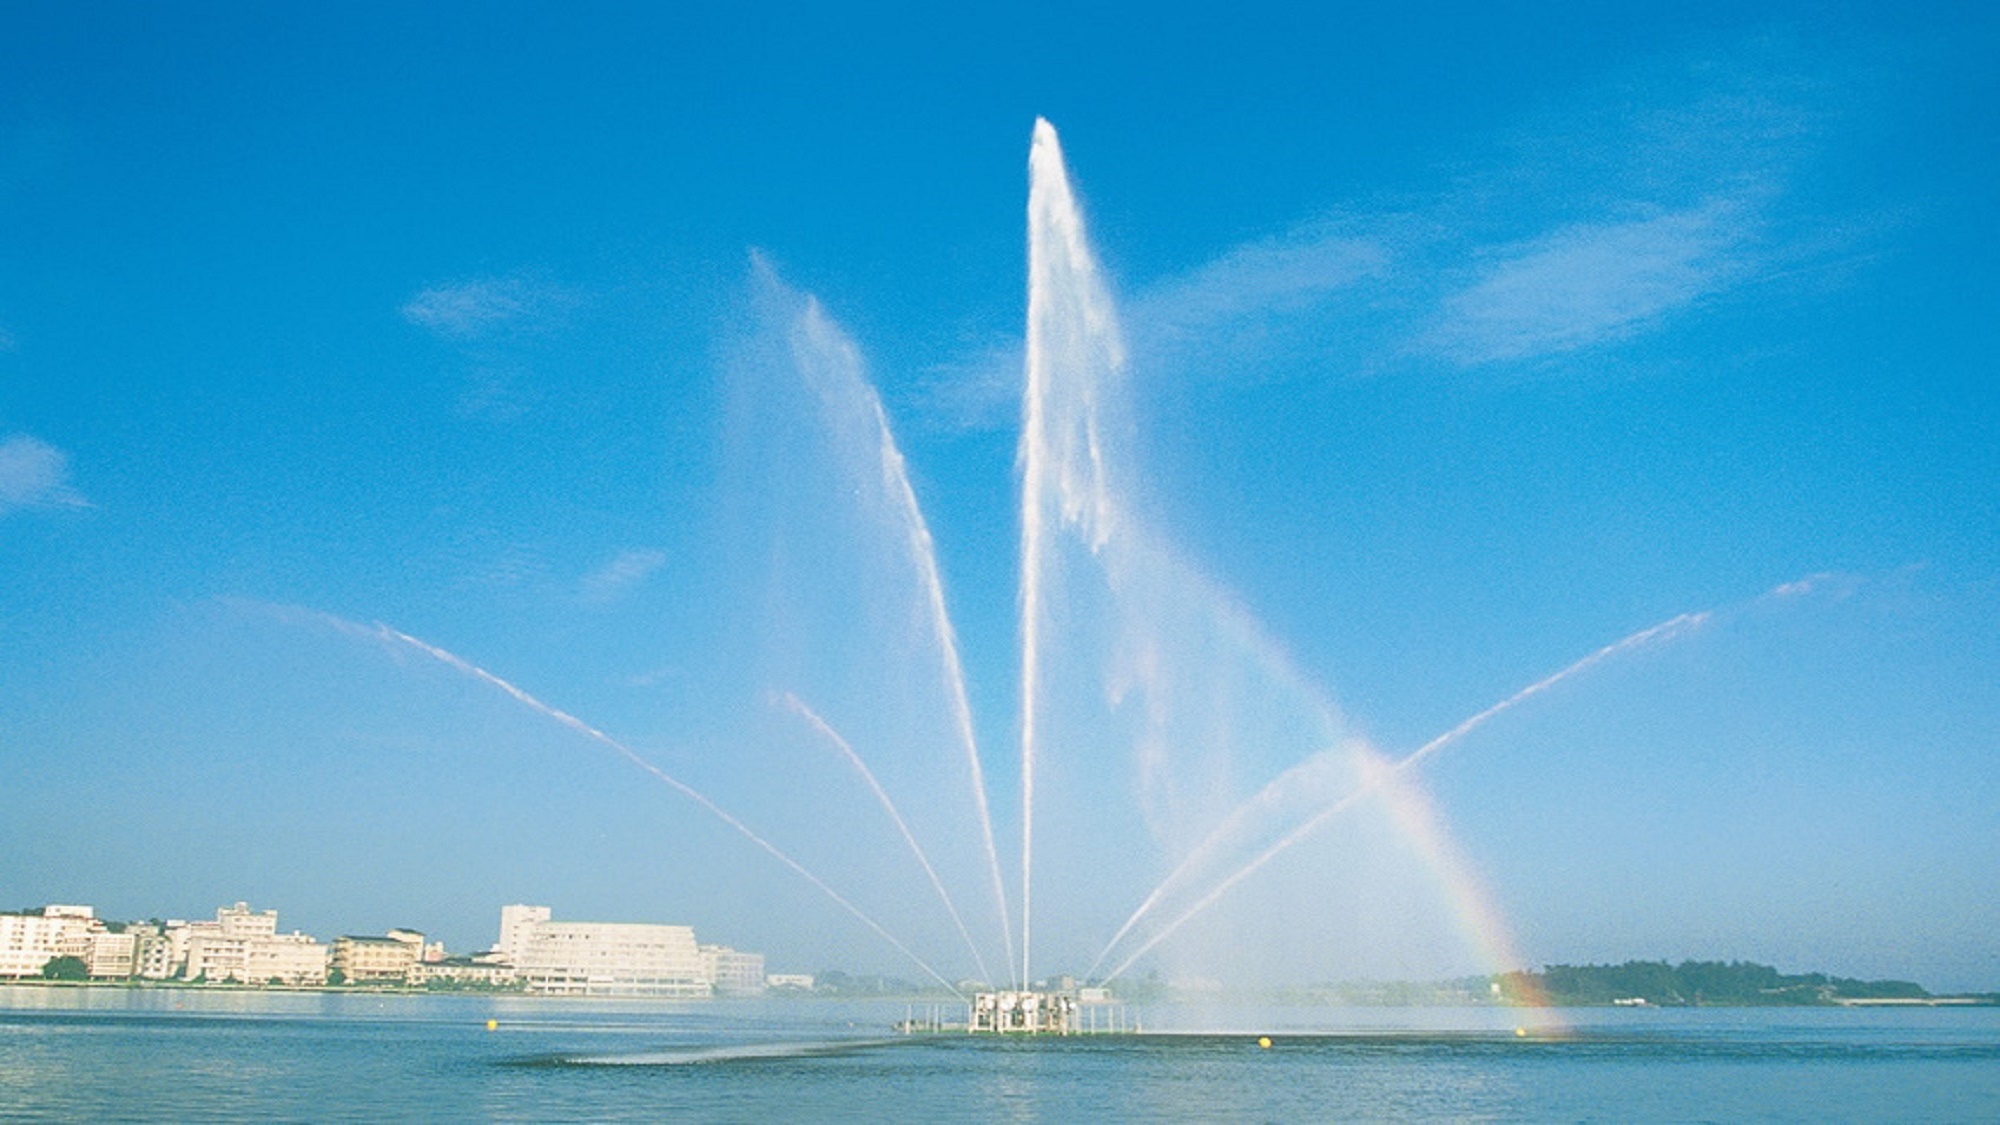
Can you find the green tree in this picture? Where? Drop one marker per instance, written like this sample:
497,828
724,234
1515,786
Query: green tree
66,968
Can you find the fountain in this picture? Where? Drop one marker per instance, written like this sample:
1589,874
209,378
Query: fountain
1165,740
1150,706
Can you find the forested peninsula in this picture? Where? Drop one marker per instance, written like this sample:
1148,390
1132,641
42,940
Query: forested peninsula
1708,983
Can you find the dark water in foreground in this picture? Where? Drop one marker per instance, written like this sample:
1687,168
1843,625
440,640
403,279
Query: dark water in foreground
97,1054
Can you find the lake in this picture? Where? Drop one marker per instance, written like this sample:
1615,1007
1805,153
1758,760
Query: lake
185,1054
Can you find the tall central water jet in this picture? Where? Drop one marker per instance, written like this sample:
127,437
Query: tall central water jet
1071,329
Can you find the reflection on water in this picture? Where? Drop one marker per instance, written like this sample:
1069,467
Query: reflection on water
724,1053
188,1054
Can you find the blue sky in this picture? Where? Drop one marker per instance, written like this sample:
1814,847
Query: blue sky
1464,341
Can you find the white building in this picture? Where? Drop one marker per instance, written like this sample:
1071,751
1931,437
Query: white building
160,953
732,972
613,959
293,958
105,954
602,958
244,945
515,923
486,970
28,942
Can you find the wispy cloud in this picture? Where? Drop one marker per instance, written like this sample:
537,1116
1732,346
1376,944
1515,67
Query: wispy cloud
1260,282
471,310
1832,584
653,677
1245,313
616,578
496,324
1591,283
515,567
1615,215
35,474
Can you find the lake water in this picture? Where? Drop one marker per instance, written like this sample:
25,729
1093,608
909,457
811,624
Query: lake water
100,1053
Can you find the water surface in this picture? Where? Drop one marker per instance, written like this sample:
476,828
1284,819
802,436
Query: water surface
72,1053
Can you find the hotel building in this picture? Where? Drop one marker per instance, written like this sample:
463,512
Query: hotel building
385,960
559,958
244,945
28,942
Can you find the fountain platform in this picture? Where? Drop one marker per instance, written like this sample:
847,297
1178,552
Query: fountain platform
1076,1011
1083,1011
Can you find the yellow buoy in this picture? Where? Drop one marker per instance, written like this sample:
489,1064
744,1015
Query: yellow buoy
1264,1041
492,1025
1520,1033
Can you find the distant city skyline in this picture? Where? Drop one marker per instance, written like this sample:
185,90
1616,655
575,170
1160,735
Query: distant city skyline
1463,343
535,953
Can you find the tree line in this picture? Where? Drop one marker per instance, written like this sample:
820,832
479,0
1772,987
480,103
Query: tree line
1693,983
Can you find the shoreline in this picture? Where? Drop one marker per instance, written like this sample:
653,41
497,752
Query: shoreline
1961,1000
